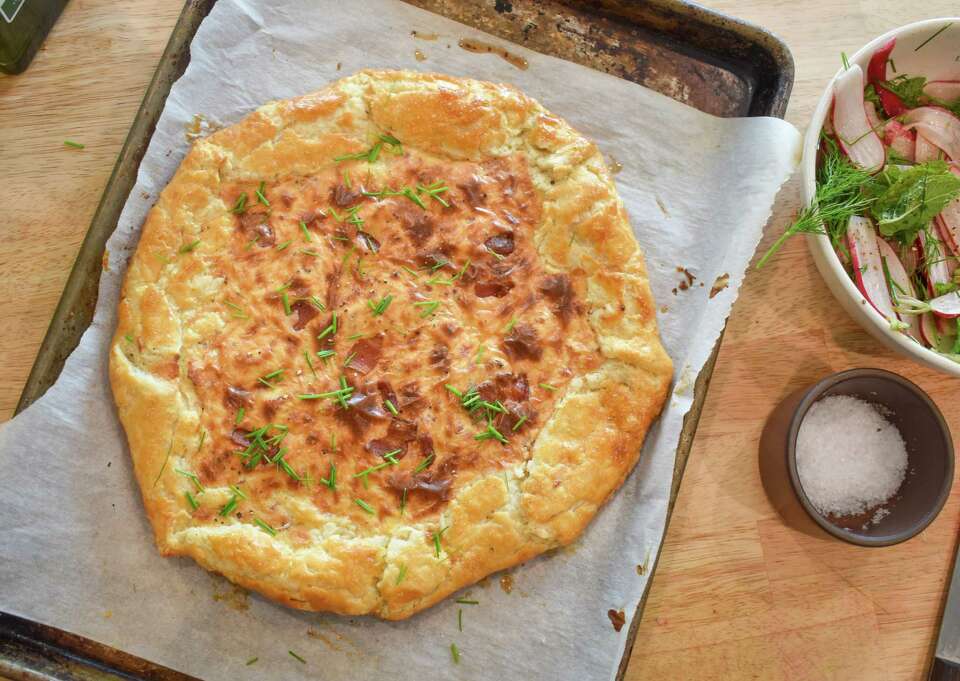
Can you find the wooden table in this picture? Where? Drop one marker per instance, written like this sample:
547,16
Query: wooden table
738,595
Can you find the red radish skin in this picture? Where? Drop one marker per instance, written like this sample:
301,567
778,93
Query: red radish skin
943,90
939,126
860,143
868,267
877,74
898,275
877,68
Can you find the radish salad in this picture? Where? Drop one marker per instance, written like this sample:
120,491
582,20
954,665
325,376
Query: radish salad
888,196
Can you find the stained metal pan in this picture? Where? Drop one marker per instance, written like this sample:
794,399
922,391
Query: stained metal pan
710,61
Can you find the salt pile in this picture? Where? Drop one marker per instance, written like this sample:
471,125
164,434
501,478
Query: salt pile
849,457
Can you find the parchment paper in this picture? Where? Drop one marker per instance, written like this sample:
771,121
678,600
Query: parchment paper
75,548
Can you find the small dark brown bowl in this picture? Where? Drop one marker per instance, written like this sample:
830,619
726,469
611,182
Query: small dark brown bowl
929,459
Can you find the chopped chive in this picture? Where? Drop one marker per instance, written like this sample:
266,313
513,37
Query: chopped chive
403,500
349,359
306,232
192,477
164,466
265,526
286,304
410,271
284,245
436,539
924,43
519,423
240,205
346,179
317,304
325,354
460,619
333,442
453,390
365,506
229,506
236,490
423,464
429,307
491,433
286,468
186,248
331,479
190,500
402,573
844,61
306,356
252,241
480,352
433,190
373,469
236,310
281,289
203,436
389,405
252,660
393,142
127,337
240,412
74,145
297,657
380,307
260,195
455,653
467,601
462,271
312,253
547,386
354,336
509,327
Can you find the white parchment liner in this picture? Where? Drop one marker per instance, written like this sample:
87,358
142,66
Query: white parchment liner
75,548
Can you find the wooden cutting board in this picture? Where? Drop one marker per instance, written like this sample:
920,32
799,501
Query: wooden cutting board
737,595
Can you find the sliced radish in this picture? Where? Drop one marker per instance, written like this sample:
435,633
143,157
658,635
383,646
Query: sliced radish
854,133
877,74
947,305
949,221
925,150
870,109
944,90
937,270
877,68
902,284
939,126
929,331
867,265
903,141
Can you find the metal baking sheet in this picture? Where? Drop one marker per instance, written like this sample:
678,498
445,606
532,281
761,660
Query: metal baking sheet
712,62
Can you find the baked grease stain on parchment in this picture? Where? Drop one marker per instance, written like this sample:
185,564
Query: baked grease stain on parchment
478,46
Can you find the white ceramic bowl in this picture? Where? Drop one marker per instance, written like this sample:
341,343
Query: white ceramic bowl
937,60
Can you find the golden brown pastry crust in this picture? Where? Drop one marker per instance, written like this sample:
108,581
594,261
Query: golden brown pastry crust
202,311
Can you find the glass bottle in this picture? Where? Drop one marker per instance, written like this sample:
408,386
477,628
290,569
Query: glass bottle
23,26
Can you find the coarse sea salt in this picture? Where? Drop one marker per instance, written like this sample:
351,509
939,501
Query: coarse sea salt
849,457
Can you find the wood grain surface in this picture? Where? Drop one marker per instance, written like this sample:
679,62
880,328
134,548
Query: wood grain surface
738,594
